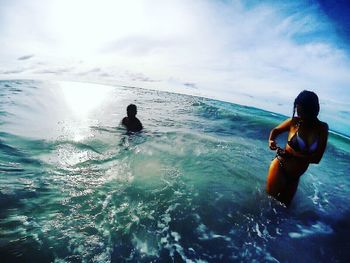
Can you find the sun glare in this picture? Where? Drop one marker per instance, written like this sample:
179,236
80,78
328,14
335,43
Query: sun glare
83,98
82,26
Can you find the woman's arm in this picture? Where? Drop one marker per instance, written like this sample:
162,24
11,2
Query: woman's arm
281,128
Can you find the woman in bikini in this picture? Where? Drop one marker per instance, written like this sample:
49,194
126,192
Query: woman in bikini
307,140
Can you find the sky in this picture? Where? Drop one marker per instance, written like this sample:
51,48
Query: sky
258,53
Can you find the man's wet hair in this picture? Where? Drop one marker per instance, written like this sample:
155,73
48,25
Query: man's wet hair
131,109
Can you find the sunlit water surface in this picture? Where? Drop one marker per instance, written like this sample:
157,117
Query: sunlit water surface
74,187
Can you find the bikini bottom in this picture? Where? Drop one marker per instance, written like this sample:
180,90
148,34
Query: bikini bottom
287,176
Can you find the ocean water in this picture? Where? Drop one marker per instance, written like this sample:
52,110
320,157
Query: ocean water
74,187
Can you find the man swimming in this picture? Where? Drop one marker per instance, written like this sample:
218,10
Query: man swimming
131,123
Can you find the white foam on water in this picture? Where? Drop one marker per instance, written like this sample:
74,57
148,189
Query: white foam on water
317,228
144,247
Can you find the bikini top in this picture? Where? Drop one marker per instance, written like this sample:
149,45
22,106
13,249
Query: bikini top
299,145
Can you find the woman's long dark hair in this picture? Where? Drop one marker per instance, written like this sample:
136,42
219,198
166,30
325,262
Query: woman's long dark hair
308,100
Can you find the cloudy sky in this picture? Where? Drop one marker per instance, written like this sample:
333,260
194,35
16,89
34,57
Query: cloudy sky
261,53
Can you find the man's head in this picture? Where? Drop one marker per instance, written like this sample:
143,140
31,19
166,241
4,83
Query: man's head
131,111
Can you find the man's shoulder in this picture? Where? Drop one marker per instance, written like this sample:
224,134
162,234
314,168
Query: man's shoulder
125,120
139,124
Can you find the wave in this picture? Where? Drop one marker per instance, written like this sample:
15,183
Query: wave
190,187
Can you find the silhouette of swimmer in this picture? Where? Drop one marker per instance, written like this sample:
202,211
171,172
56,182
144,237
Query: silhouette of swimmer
130,122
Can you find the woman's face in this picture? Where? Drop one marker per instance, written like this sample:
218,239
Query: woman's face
302,114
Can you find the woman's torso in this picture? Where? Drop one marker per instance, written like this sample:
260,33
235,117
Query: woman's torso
303,140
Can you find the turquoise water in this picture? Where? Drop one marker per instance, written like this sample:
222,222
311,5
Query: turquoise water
74,187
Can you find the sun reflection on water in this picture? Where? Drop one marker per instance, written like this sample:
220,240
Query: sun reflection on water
83,98
85,101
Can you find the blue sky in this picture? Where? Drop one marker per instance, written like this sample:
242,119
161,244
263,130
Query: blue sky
261,53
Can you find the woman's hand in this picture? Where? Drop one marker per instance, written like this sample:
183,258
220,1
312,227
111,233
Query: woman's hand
281,128
282,152
272,145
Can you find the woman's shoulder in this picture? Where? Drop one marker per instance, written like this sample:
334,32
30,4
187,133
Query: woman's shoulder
295,121
324,126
